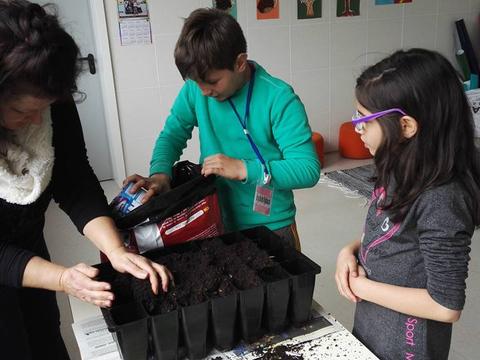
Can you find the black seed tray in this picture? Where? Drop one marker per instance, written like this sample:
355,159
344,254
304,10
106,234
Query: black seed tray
284,298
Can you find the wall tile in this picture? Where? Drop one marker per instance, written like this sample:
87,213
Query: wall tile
137,153
310,46
313,88
349,43
134,66
384,11
270,47
449,6
384,36
420,31
167,16
141,112
343,97
168,73
422,7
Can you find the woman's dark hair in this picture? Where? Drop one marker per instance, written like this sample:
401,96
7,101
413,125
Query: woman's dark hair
426,86
37,56
210,39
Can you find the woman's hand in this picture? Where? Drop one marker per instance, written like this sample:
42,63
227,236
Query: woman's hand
347,268
140,267
155,184
78,281
224,166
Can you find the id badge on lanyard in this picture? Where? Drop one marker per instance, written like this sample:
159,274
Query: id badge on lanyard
262,202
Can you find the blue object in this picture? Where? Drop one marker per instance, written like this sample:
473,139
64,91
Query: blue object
473,81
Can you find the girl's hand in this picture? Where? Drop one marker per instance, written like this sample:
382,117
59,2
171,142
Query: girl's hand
347,268
140,267
355,281
155,184
78,281
224,166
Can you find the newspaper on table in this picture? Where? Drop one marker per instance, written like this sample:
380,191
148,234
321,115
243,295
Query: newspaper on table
294,340
474,99
96,342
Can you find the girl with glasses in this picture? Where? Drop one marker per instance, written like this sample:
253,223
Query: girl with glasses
407,272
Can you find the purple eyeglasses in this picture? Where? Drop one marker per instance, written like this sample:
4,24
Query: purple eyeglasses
358,120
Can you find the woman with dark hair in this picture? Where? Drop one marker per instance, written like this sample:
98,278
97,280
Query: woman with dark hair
410,266
43,156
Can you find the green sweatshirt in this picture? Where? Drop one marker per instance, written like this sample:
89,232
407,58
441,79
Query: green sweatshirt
279,126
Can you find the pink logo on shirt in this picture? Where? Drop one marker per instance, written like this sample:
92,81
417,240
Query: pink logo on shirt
410,336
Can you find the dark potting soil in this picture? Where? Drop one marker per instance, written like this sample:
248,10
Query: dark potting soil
215,269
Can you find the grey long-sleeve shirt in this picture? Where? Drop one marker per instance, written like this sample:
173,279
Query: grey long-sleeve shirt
428,249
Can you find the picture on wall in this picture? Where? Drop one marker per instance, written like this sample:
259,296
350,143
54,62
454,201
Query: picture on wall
134,22
268,9
309,9
388,2
348,8
229,6
132,8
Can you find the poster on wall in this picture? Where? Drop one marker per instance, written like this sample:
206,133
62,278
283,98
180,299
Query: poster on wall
132,8
348,8
134,22
388,2
309,9
229,6
268,9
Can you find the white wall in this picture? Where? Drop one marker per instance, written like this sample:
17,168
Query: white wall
320,57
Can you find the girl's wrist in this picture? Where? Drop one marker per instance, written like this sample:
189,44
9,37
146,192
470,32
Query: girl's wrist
359,286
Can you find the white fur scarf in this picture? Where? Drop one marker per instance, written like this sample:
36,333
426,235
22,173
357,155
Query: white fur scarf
26,165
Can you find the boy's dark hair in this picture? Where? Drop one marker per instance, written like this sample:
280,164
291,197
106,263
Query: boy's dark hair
37,56
210,39
426,86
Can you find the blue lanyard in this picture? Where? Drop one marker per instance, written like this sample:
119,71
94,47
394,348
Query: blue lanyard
243,123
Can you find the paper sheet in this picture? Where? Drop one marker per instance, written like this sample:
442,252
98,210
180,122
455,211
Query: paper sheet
94,340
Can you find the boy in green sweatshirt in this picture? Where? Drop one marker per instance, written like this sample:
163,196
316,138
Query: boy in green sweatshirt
254,132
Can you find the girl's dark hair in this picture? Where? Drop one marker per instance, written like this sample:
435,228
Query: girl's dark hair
426,86
37,56
210,39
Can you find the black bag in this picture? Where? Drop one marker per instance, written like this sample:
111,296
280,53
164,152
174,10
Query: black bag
188,186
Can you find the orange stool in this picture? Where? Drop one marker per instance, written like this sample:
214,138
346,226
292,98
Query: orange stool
350,144
317,139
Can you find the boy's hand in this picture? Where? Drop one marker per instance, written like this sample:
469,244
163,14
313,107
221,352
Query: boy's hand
347,268
155,184
224,166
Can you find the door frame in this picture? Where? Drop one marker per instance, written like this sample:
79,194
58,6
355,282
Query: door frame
107,84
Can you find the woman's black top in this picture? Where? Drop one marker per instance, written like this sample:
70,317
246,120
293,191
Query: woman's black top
73,186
